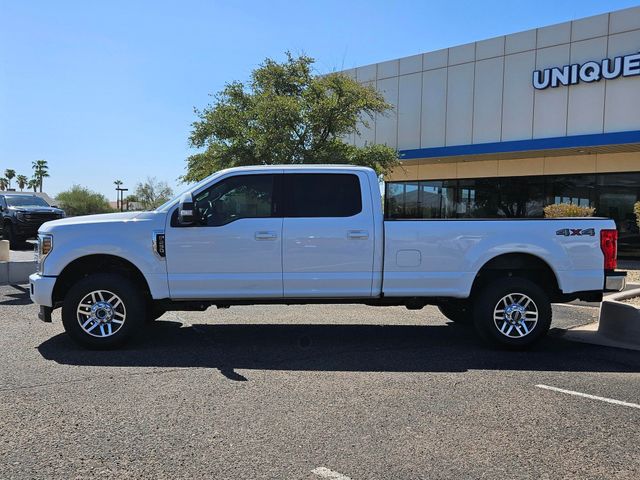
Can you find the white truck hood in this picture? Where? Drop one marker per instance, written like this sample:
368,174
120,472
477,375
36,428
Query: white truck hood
122,217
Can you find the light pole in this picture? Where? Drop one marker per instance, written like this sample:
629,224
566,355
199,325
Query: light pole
120,200
117,183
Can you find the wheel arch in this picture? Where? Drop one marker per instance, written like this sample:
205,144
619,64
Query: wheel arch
97,263
518,264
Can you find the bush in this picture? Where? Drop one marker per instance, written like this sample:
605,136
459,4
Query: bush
567,210
82,201
636,209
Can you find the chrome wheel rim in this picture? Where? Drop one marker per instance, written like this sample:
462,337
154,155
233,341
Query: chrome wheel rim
101,313
515,315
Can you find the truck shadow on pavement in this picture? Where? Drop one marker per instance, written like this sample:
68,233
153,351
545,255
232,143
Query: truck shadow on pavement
19,296
360,348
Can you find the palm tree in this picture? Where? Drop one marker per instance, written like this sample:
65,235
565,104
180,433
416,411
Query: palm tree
22,181
3,183
33,183
9,174
40,171
117,183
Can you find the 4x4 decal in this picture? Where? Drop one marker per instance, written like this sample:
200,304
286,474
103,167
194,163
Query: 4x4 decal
573,232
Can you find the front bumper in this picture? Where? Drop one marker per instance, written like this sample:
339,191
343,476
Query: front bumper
24,230
615,281
41,289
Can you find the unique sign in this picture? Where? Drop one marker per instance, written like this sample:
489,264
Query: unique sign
588,72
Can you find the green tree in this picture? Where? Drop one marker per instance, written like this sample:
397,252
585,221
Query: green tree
152,193
40,171
23,181
33,183
82,201
9,174
129,200
3,183
287,115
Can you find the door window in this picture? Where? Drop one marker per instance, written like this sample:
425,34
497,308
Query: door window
242,196
322,195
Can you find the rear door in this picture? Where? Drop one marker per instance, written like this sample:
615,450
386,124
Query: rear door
328,235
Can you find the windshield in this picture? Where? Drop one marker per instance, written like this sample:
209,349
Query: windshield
25,201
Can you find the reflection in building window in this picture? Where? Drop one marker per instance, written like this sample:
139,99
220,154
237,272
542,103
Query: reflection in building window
612,194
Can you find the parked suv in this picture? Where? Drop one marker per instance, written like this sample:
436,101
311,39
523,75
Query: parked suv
23,214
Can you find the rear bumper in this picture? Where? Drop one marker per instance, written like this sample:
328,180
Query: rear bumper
615,281
41,289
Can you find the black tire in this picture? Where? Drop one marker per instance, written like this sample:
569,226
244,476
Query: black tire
509,329
124,322
458,312
9,233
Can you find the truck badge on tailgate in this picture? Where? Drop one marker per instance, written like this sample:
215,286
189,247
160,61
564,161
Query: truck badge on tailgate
572,232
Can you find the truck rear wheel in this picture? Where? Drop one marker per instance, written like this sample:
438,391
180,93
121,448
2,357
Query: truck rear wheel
103,311
512,312
459,312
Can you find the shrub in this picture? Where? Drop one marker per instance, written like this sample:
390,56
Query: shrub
82,201
567,210
636,209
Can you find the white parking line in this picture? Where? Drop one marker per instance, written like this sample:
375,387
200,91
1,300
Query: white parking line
592,397
327,473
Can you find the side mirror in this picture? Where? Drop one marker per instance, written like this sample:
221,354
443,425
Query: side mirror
186,214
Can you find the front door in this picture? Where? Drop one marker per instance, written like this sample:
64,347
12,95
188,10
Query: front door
234,250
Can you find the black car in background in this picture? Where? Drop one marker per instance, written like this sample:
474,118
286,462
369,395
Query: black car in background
22,215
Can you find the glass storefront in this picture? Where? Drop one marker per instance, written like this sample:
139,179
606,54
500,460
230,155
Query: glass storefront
612,194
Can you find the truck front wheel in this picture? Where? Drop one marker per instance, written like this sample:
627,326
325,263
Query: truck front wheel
512,312
103,311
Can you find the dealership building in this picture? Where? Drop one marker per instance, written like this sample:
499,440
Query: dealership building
504,126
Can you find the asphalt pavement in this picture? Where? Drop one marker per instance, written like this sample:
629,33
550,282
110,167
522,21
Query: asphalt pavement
311,392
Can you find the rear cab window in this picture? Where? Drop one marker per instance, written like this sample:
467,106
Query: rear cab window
322,195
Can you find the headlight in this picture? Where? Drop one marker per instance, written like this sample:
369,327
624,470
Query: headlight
43,248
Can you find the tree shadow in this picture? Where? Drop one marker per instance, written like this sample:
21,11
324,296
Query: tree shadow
359,348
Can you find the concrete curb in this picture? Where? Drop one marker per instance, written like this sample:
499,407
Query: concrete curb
618,325
12,273
625,295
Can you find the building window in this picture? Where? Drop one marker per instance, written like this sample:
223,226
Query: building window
612,194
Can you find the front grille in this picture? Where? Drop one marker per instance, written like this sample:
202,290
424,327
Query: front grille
37,219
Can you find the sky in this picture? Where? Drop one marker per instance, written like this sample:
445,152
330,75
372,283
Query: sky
106,90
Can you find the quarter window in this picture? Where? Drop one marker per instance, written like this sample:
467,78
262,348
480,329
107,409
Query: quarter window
322,195
242,196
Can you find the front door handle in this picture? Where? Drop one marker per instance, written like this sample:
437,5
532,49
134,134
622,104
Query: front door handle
266,236
358,234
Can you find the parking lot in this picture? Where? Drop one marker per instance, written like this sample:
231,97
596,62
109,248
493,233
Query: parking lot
312,392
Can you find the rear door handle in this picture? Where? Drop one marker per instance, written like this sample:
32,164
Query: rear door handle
266,236
358,234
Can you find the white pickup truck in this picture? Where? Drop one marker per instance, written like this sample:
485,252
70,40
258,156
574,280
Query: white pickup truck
307,234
